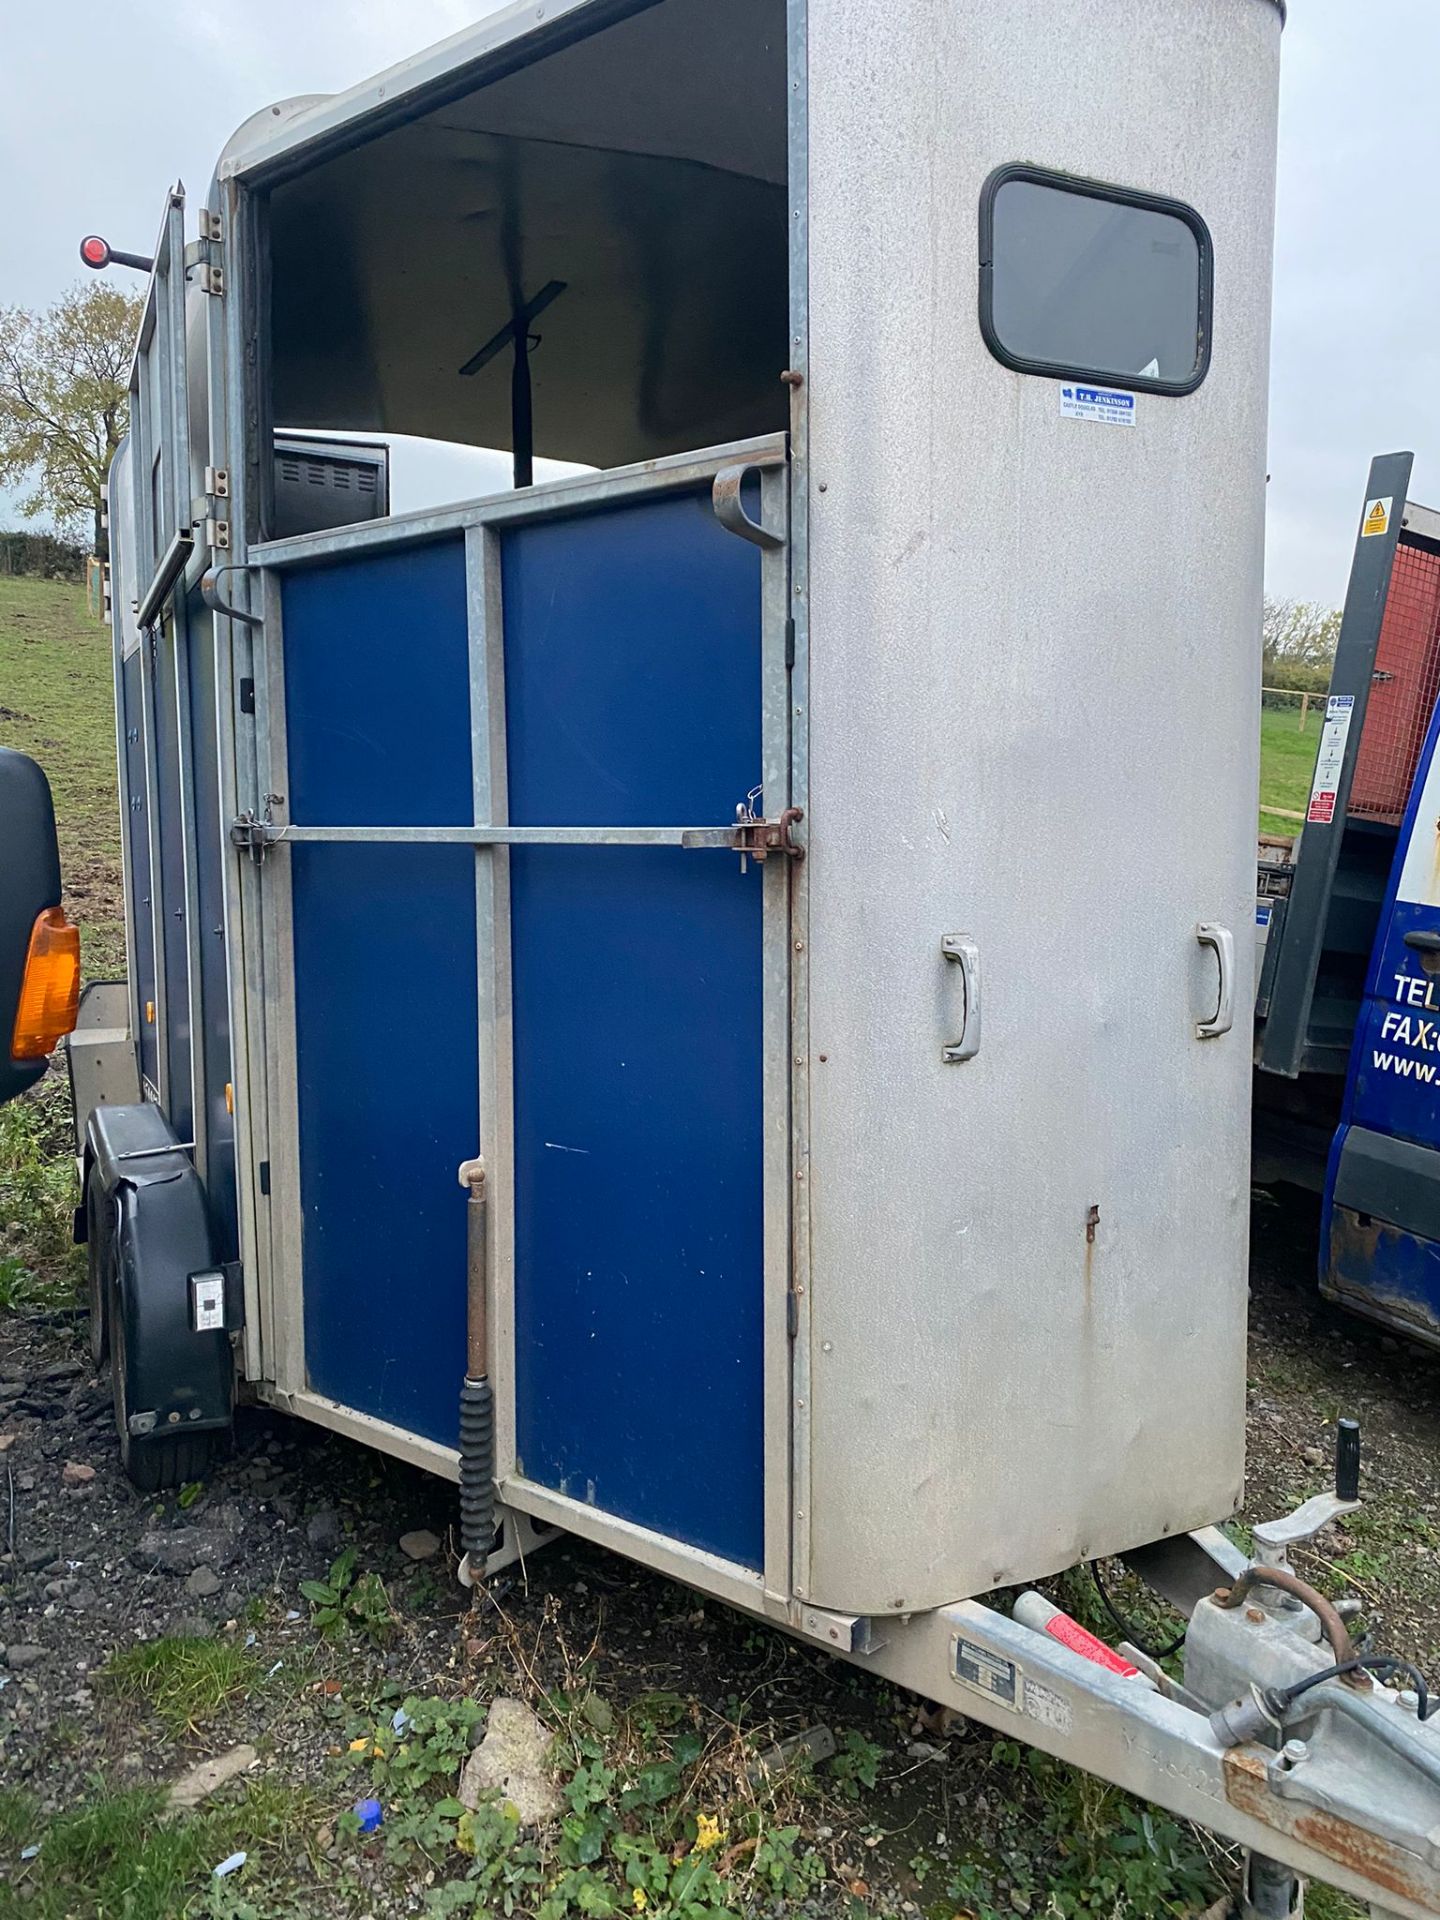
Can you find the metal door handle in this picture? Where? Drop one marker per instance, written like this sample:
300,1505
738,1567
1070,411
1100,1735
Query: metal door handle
1423,940
964,952
1222,943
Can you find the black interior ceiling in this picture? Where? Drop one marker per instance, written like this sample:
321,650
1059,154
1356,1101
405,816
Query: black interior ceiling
643,169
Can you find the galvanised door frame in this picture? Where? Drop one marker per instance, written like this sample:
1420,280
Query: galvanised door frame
481,526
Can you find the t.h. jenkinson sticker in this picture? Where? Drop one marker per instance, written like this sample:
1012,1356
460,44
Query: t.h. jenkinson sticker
1106,404
1325,787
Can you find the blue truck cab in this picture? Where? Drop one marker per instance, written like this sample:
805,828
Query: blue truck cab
1348,1000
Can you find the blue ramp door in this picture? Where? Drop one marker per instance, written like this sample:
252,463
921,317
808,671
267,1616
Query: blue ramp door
634,664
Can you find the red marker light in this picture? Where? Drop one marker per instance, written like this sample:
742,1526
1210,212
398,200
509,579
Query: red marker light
94,251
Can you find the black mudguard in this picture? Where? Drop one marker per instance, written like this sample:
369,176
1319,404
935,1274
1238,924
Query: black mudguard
184,1379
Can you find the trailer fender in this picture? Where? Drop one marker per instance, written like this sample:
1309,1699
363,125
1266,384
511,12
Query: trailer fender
173,1385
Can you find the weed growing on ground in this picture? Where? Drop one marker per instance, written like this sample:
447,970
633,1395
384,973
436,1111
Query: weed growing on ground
343,1602
185,1680
660,1814
1117,1856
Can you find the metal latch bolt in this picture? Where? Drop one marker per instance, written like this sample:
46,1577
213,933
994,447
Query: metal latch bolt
757,836
255,833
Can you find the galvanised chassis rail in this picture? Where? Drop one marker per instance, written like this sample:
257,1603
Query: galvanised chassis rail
1331,1799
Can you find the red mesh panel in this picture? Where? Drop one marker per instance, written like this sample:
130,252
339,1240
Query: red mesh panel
1402,695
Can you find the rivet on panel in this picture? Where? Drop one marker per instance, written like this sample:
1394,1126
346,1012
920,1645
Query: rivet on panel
827,1346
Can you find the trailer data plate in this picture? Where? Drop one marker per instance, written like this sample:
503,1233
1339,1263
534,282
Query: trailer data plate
986,1672
999,1678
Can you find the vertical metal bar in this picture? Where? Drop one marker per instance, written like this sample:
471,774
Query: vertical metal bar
775,1047
180,640
798,477
149,645
492,939
1302,940
171,324
284,1345
123,722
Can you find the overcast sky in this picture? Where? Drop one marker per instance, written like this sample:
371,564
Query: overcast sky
101,107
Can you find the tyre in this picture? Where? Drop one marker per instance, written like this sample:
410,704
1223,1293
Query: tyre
99,1231
153,1462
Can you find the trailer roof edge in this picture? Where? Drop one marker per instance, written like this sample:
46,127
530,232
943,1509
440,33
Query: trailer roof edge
449,66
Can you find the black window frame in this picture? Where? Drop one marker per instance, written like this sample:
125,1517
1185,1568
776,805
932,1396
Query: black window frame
1123,196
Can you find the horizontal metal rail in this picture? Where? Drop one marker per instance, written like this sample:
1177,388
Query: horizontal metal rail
511,836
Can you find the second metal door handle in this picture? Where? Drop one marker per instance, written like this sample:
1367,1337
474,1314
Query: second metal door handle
966,955
1222,943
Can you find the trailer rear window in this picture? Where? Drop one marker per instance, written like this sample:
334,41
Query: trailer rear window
1088,281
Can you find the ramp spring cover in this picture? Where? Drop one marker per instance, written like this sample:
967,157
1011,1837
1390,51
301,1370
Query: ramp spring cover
477,1471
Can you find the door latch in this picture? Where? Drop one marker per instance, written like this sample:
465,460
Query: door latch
758,837
256,833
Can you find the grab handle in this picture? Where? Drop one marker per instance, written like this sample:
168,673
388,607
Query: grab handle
962,950
1222,943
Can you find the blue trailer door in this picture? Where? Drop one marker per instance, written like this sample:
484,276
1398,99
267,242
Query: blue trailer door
632,658
1380,1244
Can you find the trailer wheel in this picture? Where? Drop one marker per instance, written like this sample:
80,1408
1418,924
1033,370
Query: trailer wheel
153,1462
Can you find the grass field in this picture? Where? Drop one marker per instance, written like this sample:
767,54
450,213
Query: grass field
56,702
1287,760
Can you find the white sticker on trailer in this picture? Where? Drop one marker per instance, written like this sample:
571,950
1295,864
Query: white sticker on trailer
1106,404
1324,789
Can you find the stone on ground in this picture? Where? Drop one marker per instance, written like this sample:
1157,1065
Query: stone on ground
513,1760
202,1780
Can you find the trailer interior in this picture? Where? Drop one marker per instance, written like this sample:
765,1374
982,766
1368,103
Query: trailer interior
618,208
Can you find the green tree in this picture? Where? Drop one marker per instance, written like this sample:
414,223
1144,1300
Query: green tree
1299,643
63,400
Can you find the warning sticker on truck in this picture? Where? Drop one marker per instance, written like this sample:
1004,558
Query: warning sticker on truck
1377,517
1339,710
1106,404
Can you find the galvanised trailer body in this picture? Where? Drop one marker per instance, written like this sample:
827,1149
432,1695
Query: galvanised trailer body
864,1224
